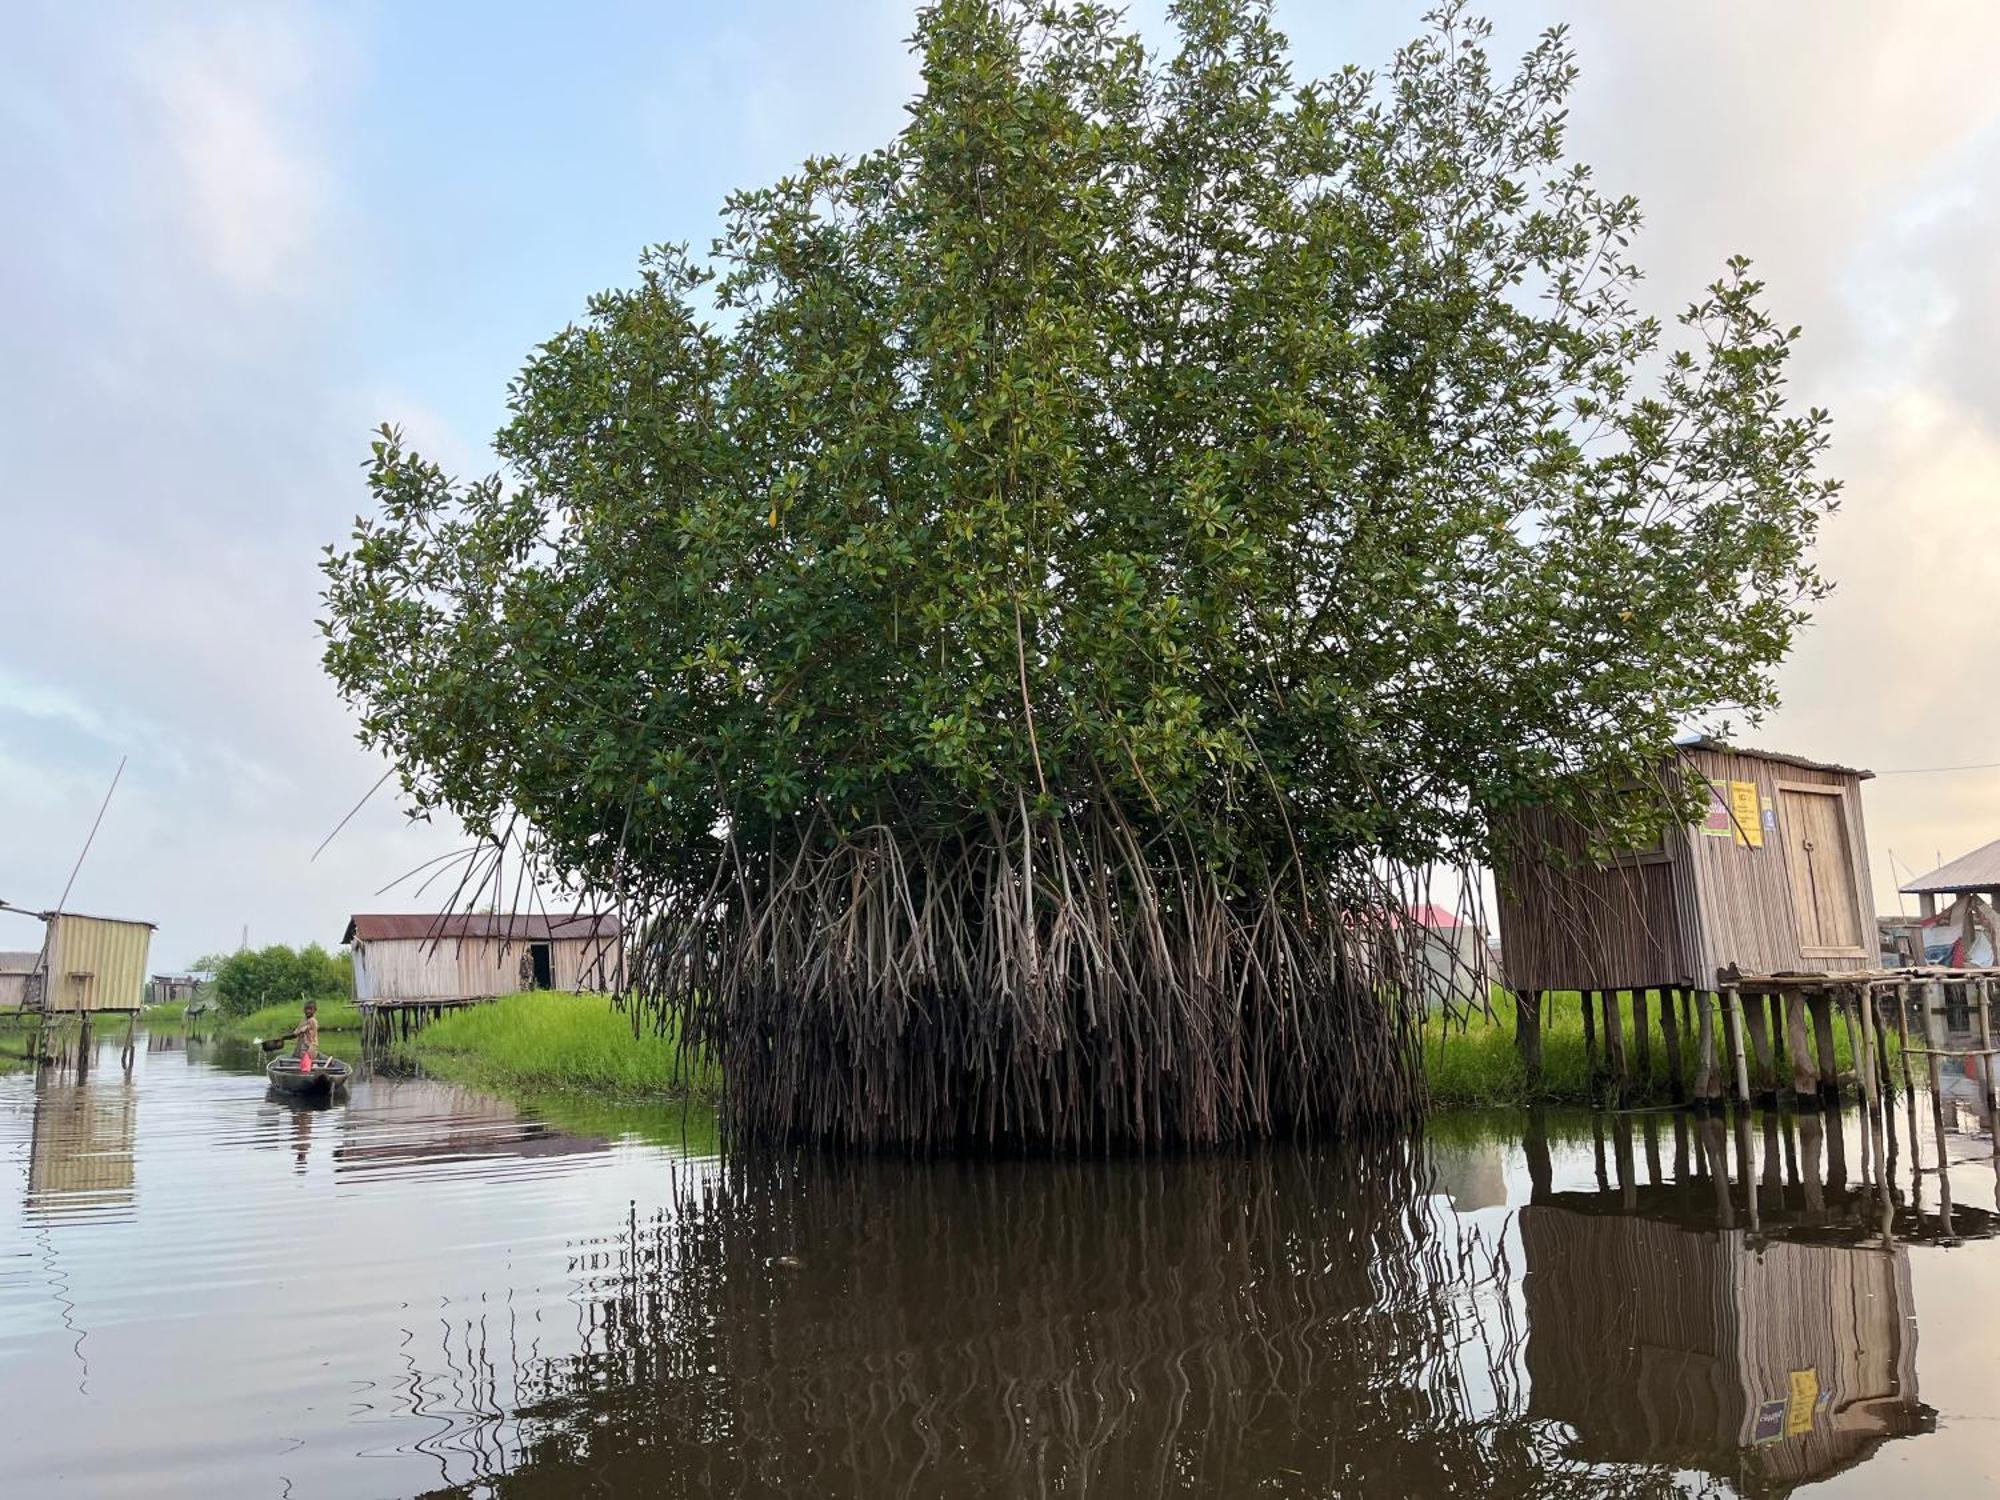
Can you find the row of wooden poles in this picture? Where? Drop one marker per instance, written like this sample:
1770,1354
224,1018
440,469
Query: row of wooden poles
1770,1039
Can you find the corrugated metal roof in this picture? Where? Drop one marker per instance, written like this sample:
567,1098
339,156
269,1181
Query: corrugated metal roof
519,927
1703,742
1977,871
23,962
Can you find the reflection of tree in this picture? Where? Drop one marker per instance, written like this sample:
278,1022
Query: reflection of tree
1281,1323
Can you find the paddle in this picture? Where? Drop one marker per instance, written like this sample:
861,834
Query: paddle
273,1045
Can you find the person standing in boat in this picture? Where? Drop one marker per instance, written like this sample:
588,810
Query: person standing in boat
307,1032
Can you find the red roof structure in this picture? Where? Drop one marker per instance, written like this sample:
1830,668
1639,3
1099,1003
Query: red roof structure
519,927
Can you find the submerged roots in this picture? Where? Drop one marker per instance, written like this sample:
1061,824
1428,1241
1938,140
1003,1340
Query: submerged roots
1037,987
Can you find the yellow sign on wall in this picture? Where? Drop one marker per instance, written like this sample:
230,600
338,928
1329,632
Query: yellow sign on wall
1747,814
1805,1397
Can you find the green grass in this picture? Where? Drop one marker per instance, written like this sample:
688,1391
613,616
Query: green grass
568,1043
1478,1066
276,1020
170,1014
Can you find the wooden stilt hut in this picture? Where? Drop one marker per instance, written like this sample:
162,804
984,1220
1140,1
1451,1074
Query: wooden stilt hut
1773,881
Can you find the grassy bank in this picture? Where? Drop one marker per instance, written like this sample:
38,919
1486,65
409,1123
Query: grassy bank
570,1043
1478,1065
276,1020
173,1013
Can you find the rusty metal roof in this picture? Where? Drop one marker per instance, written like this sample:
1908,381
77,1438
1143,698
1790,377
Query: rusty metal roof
518,927
1977,871
1703,742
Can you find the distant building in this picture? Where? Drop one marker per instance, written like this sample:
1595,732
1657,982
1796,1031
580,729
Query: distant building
14,971
1453,958
171,989
425,959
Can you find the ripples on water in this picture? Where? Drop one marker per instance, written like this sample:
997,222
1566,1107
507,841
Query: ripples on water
423,1290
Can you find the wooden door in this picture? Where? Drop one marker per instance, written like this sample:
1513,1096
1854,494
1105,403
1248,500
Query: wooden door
1820,861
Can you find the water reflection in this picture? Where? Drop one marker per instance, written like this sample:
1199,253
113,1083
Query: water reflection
479,1300
80,1155
1664,1327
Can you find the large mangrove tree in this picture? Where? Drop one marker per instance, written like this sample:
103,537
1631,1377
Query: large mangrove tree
1008,622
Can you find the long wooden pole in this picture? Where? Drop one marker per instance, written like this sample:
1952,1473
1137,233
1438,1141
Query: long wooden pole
1732,1005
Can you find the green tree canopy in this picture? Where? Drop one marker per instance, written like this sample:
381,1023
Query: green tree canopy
278,975
1144,491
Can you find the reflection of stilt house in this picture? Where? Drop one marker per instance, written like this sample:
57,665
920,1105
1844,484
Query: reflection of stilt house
1780,1364
1773,881
80,1160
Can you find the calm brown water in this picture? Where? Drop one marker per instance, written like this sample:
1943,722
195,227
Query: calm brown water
207,1292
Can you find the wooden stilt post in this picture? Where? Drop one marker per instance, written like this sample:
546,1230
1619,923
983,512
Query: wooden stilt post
1642,1040
1934,1036
1652,1129
1590,1038
1805,1077
1670,1035
1982,991
1774,1008
1614,1045
1528,1035
1621,1154
1763,1074
1829,1058
1707,1087
1732,1015
1541,1167
1809,1148
1903,1040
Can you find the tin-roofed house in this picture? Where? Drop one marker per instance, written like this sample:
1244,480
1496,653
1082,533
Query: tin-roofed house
90,965
15,968
423,959
1967,932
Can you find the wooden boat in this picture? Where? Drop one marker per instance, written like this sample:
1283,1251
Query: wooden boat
328,1074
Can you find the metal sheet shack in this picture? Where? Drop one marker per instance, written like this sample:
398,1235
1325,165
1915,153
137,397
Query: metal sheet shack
90,965
426,961
1773,881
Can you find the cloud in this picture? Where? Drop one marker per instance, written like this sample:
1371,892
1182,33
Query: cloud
235,94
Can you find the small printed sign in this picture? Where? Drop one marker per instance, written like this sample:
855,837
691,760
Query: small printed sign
1747,824
1770,817
1718,824
1805,1401
1771,1421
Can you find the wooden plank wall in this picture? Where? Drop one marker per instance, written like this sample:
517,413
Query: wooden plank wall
473,968
1567,923
1743,895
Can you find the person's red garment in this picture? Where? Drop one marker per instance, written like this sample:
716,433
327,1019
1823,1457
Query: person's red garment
305,1062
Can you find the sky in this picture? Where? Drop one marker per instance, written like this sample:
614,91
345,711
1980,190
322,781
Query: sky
241,236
